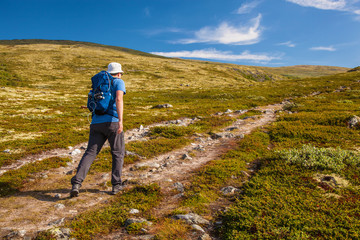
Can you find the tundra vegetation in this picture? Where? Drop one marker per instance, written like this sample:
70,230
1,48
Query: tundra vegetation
304,178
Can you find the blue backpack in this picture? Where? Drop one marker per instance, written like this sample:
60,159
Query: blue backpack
100,99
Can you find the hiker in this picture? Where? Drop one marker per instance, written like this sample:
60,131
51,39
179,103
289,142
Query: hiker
104,127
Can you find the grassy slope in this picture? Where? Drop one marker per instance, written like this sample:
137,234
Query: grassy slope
284,200
45,83
302,71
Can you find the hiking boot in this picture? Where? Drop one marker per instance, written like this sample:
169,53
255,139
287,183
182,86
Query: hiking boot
75,190
116,188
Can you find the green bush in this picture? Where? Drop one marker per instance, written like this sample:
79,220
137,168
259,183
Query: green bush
311,157
170,131
114,214
13,180
283,201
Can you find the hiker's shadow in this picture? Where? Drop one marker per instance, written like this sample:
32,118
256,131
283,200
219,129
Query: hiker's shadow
53,195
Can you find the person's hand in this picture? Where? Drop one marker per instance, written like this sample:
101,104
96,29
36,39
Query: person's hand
120,129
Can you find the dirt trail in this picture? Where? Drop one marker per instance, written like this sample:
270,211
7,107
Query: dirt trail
47,204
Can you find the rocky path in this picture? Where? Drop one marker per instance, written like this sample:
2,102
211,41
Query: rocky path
46,203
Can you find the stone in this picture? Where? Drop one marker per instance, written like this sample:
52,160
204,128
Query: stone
105,176
191,218
197,228
75,152
205,236
186,157
354,121
134,211
231,129
59,206
16,234
229,190
331,180
179,186
58,196
199,148
147,165
57,222
229,111
200,139
70,172
128,153
241,136
130,221
222,135
166,105
6,151
66,231
240,111
250,117
61,233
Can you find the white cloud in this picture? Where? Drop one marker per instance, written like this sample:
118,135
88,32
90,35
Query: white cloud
288,44
214,54
339,5
330,49
227,34
322,4
247,7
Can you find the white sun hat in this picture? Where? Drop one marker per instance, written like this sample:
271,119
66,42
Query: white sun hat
114,67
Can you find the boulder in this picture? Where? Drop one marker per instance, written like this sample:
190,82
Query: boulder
75,152
229,190
134,211
179,186
222,135
354,121
331,180
57,222
166,105
191,218
61,233
186,157
130,221
16,234
59,206
197,228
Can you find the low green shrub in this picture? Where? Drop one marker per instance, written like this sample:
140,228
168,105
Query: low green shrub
13,180
283,201
170,131
114,214
228,169
315,158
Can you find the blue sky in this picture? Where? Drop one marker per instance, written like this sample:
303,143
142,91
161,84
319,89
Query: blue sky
255,32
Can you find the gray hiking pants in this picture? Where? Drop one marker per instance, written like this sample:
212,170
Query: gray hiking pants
99,133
